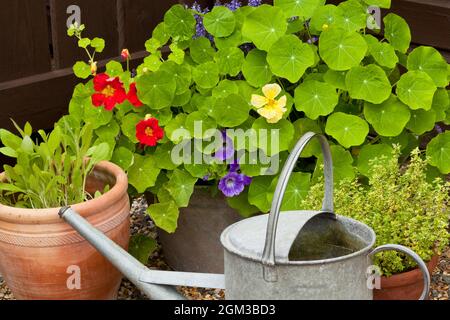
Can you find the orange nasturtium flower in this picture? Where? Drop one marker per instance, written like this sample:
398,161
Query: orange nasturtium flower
268,106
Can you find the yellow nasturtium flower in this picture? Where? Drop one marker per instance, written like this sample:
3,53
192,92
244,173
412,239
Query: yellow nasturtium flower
325,27
267,105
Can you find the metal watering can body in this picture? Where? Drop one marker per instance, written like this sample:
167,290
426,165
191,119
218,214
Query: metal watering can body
319,255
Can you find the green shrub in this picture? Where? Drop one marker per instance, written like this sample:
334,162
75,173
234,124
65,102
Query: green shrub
399,204
333,77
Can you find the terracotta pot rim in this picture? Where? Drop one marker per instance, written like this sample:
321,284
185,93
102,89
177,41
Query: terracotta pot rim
50,215
409,277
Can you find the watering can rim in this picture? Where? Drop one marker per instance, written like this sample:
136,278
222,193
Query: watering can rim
231,248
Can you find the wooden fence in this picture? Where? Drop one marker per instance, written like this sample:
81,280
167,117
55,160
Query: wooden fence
36,56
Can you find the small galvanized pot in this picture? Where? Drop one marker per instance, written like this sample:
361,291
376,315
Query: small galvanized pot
319,255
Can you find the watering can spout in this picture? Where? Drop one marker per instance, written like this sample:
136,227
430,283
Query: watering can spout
157,285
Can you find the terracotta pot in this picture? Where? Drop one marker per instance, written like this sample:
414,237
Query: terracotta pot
37,248
195,246
403,286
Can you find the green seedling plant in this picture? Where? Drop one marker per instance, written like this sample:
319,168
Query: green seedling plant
54,172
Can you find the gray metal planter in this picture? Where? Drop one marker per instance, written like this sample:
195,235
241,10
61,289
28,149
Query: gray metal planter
195,245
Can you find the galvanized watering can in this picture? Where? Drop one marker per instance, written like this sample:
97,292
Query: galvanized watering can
316,255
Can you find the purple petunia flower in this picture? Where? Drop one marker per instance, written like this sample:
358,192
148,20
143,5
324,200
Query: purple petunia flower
233,5
254,3
314,39
233,184
227,150
200,30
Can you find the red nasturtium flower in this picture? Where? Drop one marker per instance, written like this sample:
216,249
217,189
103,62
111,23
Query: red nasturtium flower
148,132
109,91
132,96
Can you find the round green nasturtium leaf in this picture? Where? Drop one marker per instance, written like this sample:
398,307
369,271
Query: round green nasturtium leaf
258,192
128,126
152,63
342,164
181,73
165,215
370,152
82,70
163,116
98,44
182,99
176,129
201,50
342,50
256,70
299,8
329,15
230,61
123,157
315,98
206,75
181,186
231,111
303,126
281,133
198,170
224,89
220,22
240,203
421,121
289,58
406,140
179,23
429,60
264,26
296,190
384,54
386,4
348,130
163,156
354,16
336,78
160,33
143,173
198,123
441,103
416,89
152,45
388,118
368,83
233,41
157,89
438,151
108,131
397,32
98,116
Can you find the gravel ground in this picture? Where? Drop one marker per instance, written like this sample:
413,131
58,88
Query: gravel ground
142,224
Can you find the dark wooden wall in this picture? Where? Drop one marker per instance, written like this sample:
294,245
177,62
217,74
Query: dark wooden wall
36,56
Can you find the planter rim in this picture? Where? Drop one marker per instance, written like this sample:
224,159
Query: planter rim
408,277
50,215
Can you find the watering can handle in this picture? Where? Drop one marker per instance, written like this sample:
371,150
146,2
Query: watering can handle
268,258
415,257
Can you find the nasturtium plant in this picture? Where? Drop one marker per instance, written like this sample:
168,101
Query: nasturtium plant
225,93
